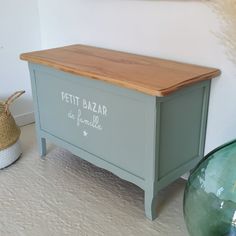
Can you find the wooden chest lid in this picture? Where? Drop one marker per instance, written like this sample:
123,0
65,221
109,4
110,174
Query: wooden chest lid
149,75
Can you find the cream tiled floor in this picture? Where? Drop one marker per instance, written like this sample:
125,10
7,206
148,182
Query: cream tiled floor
64,195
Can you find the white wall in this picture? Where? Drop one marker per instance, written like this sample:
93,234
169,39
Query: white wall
179,30
19,32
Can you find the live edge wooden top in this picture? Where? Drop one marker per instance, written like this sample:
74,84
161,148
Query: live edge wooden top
149,75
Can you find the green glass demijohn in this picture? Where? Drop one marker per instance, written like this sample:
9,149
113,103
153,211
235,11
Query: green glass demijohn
210,194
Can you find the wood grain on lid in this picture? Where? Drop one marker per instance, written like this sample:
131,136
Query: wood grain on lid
149,75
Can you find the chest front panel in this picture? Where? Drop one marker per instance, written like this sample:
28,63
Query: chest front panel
98,119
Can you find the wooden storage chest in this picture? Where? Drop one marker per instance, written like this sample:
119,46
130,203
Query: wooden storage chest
142,118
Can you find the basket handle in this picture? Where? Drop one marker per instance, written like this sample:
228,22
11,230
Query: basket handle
11,99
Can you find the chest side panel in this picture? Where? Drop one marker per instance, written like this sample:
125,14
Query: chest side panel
183,127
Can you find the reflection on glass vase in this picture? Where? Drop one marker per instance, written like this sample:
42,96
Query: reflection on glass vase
210,194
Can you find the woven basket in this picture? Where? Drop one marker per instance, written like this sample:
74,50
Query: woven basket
9,131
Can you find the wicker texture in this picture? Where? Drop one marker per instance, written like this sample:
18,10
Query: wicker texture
9,131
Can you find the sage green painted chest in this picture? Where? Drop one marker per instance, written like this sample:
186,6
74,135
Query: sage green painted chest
102,107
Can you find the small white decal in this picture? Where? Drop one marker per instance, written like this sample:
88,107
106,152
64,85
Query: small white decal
89,113
93,122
